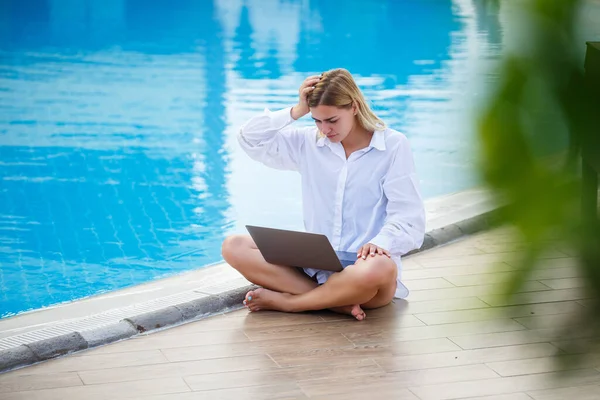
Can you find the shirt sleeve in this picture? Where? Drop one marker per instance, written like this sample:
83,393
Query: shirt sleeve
404,226
268,139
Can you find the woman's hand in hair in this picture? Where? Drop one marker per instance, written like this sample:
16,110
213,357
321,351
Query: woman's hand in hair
370,249
301,109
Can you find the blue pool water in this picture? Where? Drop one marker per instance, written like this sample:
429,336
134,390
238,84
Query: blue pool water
118,158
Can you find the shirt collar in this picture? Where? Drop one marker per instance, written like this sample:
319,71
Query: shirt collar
377,141
321,140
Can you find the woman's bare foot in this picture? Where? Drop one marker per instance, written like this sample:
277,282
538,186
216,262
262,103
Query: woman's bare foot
265,299
353,310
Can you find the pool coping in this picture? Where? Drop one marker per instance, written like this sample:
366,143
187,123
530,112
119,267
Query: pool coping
450,217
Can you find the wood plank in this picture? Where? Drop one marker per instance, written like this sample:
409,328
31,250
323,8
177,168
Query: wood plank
246,319
101,361
471,291
254,347
535,297
175,369
447,391
318,329
469,269
513,258
581,345
362,352
497,339
450,250
545,364
564,283
566,262
480,259
448,317
512,396
501,277
431,283
261,377
102,392
159,340
464,303
586,392
18,383
507,239
490,246
266,392
434,331
443,374
547,321
410,262
519,248
464,357
361,394
400,380
513,338
591,303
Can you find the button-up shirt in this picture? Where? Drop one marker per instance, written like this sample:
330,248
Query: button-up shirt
370,197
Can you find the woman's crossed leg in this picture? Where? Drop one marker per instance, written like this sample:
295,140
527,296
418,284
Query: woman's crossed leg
369,283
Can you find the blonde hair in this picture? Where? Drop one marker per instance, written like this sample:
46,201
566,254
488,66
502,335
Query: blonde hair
337,88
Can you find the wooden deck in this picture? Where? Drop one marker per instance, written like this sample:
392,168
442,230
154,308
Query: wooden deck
453,339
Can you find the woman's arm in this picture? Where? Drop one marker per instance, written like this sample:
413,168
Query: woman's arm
404,226
269,139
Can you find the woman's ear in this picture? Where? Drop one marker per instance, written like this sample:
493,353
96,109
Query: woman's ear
354,108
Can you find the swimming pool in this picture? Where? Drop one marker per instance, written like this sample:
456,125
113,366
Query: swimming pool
119,163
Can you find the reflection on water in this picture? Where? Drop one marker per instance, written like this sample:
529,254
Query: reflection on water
119,162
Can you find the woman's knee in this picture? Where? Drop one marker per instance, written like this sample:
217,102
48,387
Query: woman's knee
233,247
377,271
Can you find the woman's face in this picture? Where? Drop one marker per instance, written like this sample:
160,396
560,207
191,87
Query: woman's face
334,122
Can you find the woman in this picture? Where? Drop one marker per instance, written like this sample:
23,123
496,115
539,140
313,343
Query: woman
359,188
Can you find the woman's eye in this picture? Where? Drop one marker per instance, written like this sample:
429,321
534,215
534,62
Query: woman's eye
333,122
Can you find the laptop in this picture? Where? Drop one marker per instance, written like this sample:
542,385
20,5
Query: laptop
299,249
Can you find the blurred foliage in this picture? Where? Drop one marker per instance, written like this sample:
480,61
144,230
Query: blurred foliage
533,128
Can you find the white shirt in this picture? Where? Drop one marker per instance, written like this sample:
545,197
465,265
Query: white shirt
371,197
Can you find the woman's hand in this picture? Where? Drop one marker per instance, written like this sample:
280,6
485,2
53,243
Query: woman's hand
371,249
301,109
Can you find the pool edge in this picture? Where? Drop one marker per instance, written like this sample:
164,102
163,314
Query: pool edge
32,353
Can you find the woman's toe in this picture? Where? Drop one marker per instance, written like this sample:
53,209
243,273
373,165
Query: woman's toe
358,312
